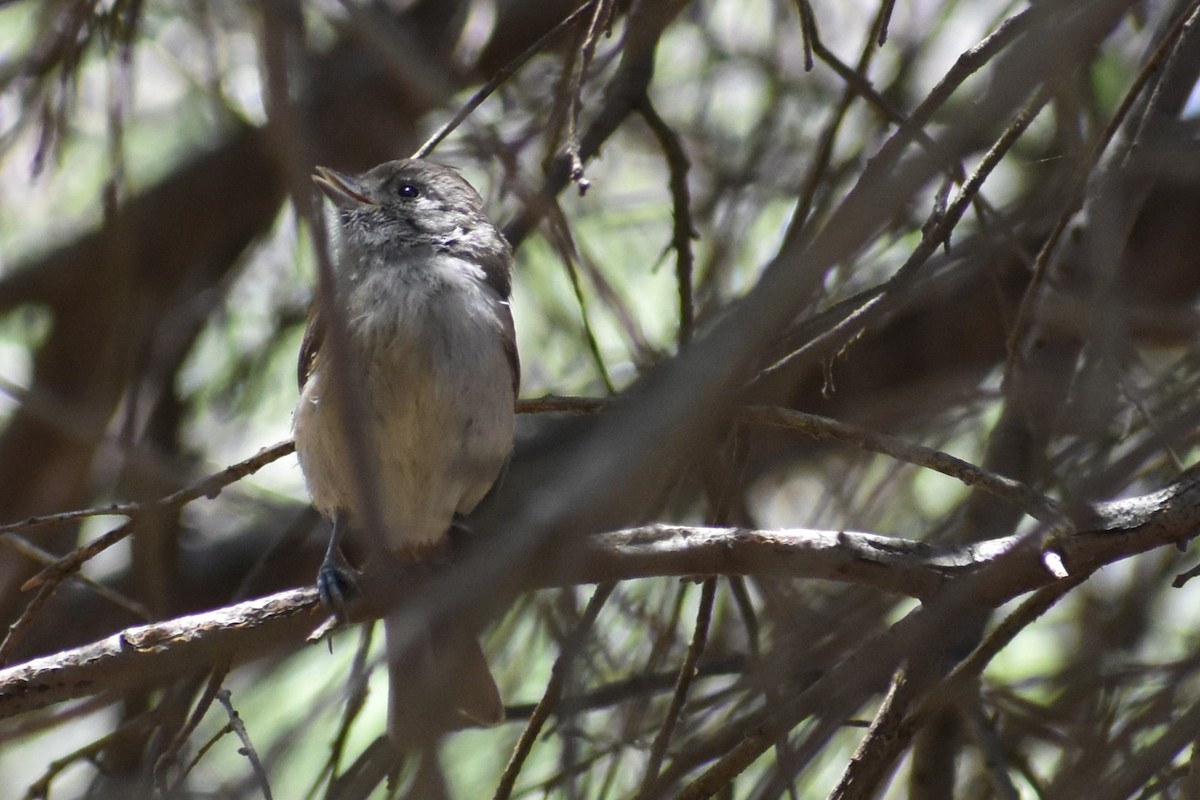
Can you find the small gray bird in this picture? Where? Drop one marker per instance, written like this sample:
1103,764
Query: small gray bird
424,278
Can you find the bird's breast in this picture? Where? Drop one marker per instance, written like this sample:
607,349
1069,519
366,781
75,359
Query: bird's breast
435,383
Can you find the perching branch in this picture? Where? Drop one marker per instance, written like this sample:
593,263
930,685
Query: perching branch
1107,532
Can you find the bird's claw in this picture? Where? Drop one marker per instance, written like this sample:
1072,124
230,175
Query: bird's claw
336,587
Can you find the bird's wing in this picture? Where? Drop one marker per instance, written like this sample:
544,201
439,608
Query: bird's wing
310,346
510,346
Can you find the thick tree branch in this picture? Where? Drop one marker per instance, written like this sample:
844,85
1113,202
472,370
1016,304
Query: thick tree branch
156,653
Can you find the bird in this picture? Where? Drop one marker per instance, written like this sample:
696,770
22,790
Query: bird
423,280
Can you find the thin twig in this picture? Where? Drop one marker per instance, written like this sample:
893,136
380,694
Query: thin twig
568,254
209,486
1021,324
885,17
40,789
555,404
884,739
553,691
902,715
356,699
844,330
24,622
46,558
995,762
745,607
999,638
38,723
859,84
684,229
501,76
687,672
48,580
1023,496
638,687
645,24
808,31
202,751
822,154
170,754
587,49
235,719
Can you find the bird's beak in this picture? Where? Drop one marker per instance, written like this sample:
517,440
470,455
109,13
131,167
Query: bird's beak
344,191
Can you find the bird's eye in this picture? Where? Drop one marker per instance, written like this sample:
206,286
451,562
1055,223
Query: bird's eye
408,190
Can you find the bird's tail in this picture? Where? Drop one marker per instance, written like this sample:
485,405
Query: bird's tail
438,681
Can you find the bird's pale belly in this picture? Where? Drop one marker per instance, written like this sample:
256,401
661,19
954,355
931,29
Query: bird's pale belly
436,439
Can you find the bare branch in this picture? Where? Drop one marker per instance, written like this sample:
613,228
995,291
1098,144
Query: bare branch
1118,530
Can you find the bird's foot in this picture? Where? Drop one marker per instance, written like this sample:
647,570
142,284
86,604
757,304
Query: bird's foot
337,586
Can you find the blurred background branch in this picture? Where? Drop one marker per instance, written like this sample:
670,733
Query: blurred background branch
931,272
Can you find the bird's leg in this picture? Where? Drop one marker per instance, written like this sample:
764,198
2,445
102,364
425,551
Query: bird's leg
458,537
335,580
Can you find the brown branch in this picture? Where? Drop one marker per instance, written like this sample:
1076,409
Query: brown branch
933,236
247,749
822,154
684,229
896,722
1021,495
579,70
568,254
646,23
683,683
209,486
154,653
553,692
555,404
46,558
885,740
48,580
1149,760
356,699
498,80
